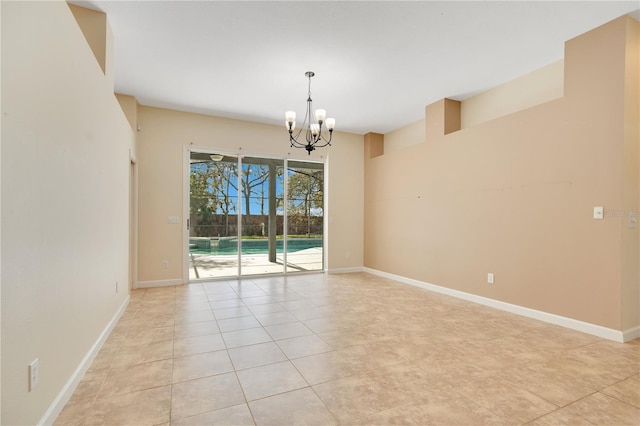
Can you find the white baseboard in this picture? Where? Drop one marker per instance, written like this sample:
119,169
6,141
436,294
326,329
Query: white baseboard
346,270
631,334
573,324
63,397
159,283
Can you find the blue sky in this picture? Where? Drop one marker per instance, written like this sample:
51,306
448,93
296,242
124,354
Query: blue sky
259,200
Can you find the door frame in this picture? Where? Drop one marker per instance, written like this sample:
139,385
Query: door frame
133,222
186,190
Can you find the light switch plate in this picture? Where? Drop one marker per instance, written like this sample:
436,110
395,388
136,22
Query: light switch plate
34,374
598,212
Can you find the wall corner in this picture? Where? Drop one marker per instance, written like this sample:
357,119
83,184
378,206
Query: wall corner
129,106
93,25
630,292
441,118
373,145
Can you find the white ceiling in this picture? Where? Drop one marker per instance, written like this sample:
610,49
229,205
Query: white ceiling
377,63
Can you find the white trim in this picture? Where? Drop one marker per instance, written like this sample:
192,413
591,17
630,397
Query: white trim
631,334
573,324
239,162
187,150
186,216
159,283
285,217
65,394
325,214
133,221
346,270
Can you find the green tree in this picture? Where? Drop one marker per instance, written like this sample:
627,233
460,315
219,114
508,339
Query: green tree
228,176
305,192
210,186
203,205
253,176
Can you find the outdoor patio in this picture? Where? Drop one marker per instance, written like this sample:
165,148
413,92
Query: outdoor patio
203,266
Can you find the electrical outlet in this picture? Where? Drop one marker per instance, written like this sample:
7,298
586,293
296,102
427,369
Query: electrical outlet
165,264
490,278
598,212
34,374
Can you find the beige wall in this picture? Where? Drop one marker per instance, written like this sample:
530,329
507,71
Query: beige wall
162,138
542,85
94,27
515,195
65,171
129,106
535,88
403,137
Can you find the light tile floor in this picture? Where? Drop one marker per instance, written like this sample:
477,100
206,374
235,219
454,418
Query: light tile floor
346,349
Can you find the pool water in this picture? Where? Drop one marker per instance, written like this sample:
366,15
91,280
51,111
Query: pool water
253,246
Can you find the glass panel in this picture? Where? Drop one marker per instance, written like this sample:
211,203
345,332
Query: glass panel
262,184
213,241
305,216
220,197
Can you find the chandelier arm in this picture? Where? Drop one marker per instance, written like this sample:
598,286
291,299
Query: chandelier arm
325,140
293,138
295,143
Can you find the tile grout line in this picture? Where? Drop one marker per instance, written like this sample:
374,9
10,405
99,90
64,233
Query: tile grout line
336,300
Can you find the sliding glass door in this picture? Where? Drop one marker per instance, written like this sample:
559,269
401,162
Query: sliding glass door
305,216
262,185
254,216
213,215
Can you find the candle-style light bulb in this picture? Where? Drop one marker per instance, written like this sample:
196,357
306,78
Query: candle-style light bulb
331,123
290,120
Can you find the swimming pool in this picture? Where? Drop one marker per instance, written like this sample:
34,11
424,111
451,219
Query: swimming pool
226,246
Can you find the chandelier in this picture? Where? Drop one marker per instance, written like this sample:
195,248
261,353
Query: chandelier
313,129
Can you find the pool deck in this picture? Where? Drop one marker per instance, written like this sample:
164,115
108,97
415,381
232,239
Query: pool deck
202,266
